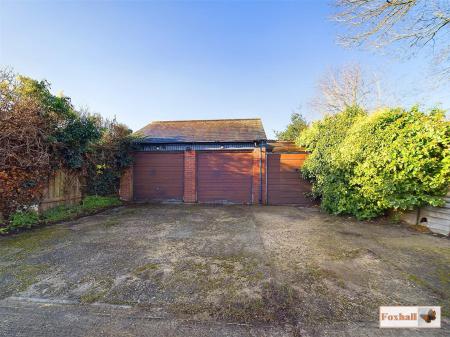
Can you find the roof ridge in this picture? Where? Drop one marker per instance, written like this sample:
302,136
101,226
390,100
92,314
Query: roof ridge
198,130
207,120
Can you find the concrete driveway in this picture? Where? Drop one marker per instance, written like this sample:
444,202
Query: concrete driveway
180,270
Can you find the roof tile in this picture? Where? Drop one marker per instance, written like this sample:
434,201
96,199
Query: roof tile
219,130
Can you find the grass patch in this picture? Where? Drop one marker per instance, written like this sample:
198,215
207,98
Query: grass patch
21,219
89,205
95,202
59,213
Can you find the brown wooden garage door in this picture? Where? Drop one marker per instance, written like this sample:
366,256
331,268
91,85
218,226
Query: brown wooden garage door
158,176
224,177
284,184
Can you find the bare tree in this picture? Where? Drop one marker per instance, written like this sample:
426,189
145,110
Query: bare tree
347,86
410,25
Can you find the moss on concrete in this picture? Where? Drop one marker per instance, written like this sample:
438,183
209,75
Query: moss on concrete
92,297
145,267
347,254
111,222
23,244
19,277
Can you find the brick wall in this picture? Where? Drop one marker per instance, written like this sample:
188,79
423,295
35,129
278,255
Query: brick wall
126,185
190,176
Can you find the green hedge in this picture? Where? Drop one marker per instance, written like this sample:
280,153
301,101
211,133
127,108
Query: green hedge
365,165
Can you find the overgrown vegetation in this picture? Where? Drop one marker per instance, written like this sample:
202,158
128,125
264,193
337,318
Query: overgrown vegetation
365,165
89,205
29,218
108,157
22,219
41,133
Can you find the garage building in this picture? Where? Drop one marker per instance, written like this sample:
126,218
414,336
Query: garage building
214,161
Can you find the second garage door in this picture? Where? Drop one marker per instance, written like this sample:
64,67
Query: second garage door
224,177
158,176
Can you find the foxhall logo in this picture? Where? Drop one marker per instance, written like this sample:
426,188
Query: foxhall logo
410,317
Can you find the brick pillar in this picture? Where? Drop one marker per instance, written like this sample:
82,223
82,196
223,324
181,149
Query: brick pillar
126,185
190,176
259,173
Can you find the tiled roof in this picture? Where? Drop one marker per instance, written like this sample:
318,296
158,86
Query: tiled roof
219,130
277,146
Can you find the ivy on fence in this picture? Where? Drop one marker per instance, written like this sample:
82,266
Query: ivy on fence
41,133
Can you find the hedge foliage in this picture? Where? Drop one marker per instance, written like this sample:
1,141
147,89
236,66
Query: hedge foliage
41,133
108,158
366,164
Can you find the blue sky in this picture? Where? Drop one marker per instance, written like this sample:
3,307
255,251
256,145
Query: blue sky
144,61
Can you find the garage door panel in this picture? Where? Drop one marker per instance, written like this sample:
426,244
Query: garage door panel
158,176
167,174
288,194
230,186
224,177
285,175
300,200
220,192
284,182
164,164
283,157
280,169
158,159
174,167
285,190
277,183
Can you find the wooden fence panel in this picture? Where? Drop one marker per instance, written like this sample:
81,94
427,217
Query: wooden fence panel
437,219
64,188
